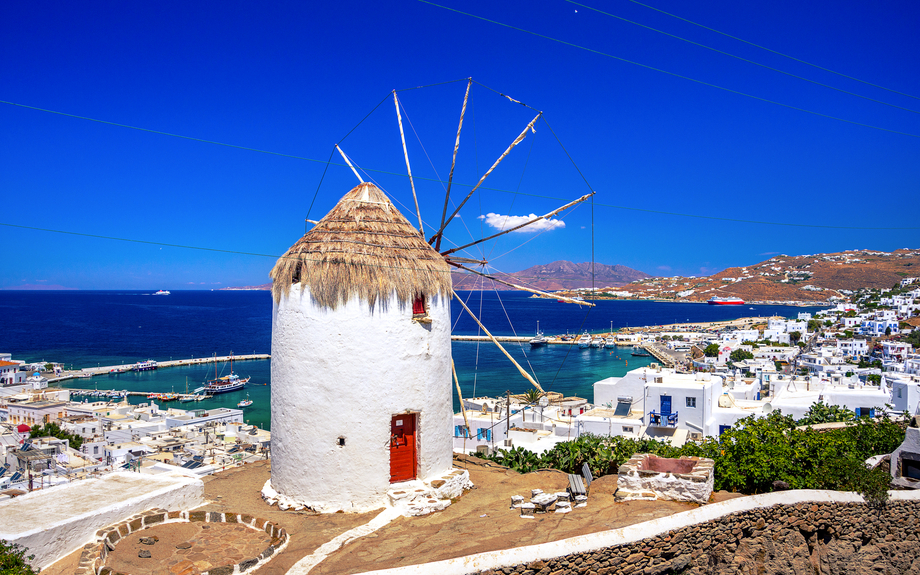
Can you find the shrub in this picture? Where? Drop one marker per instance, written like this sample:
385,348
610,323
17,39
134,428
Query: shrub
13,560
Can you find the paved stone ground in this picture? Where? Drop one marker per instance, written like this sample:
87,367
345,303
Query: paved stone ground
187,548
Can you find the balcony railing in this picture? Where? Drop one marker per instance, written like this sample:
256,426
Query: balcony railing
662,419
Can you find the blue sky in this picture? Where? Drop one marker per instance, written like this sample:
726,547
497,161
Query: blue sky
294,78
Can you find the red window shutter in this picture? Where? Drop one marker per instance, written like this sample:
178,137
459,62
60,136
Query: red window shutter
418,306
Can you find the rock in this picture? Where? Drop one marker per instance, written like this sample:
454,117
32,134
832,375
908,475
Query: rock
185,545
780,486
143,554
149,540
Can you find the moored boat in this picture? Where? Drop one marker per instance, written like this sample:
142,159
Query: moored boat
584,341
225,383
245,403
145,365
539,339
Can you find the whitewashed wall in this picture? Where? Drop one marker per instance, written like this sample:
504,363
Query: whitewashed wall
345,373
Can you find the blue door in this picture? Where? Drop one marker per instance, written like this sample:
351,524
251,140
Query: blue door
724,428
665,405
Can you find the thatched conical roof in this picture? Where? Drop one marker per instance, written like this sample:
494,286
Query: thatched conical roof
362,247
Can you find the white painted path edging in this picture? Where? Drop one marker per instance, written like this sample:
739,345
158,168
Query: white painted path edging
304,566
629,534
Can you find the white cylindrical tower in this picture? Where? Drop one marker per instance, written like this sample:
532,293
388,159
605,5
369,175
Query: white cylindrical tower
361,359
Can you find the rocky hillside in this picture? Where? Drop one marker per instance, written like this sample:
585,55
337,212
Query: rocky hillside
559,275
791,278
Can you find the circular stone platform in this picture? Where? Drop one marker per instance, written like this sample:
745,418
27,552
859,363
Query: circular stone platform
188,548
183,543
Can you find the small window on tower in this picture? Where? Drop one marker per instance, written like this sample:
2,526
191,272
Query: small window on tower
419,309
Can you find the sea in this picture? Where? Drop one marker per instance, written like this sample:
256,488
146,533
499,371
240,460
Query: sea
98,328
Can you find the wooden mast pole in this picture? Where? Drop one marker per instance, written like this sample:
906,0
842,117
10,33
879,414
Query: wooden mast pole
402,136
495,341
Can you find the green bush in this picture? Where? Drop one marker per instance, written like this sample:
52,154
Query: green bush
13,560
751,455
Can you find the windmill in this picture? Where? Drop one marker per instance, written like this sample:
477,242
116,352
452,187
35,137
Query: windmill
361,342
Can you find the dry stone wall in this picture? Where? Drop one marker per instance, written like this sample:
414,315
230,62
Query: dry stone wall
827,538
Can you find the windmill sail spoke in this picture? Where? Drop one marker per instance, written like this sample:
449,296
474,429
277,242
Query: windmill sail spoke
402,136
516,141
495,341
453,163
454,263
525,224
347,161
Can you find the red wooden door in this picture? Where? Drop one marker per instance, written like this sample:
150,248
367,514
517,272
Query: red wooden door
402,448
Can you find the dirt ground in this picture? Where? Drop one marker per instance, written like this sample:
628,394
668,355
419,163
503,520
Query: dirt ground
480,520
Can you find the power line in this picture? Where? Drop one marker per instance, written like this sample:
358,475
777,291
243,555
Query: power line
436,180
743,59
773,51
676,75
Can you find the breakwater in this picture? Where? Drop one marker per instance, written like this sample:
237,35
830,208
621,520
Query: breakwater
123,368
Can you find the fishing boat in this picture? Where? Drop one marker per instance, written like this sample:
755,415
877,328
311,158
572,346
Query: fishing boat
245,403
225,383
584,341
539,339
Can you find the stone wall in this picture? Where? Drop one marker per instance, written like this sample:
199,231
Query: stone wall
810,537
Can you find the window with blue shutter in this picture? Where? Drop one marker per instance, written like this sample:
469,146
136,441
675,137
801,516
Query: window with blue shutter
488,435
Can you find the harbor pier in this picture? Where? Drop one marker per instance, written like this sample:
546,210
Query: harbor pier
109,369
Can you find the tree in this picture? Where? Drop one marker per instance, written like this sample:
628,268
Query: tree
795,336
13,560
814,324
874,378
820,412
54,430
740,355
888,330
711,350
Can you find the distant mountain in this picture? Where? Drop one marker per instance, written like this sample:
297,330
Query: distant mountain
558,275
818,277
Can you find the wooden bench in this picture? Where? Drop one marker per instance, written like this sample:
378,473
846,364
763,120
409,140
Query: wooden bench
576,485
579,484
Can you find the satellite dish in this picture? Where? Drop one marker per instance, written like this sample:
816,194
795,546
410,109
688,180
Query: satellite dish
767,408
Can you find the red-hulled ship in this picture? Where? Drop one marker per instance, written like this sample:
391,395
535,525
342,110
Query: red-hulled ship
726,301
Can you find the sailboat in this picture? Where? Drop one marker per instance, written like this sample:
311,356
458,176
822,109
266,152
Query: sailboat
245,403
225,383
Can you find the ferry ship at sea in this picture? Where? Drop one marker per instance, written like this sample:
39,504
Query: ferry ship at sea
161,292
725,300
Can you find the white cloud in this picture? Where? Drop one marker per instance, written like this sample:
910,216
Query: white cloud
665,268
501,222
